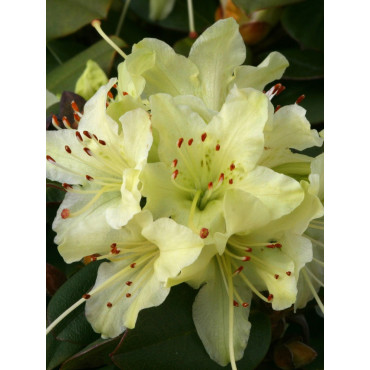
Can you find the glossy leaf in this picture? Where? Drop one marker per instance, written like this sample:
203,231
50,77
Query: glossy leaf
305,23
183,46
95,354
178,20
166,335
74,328
250,6
303,64
64,17
65,76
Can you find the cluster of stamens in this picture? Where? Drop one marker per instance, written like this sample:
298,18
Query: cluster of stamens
278,89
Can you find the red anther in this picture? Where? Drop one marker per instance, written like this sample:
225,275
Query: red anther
276,276
174,163
278,245
55,120
289,273
193,35
102,142
87,134
89,178
271,246
204,232
93,258
221,177
89,259
218,147
239,270
190,141
128,283
231,181
67,186
128,295
65,213
277,108
50,159
174,174
68,149
95,137
210,185
204,136
115,86
88,151
246,258
125,93
300,99
269,298
78,135
110,94
248,249
109,305
106,105
232,167
245,304
133,265
277,87
179,142
235,303
74,106
76,117
113,246
280,89
86,296
66,122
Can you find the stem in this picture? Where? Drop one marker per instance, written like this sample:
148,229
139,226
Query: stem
122,17
191,16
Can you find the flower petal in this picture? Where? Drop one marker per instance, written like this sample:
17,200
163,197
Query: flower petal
211,319
272,68
159,9
216,53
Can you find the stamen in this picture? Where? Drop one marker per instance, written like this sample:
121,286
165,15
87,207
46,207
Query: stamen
66,122
89,178
97,25
270,297
76,117
313,291
221,178
174,174
218,147
110,95
232,167
300,99
277,108
231,181
67,186
79,137
236,304
128,283
276,276
174,163
210,185
128,295
88,151
87,134
109,305
133,265
55,122
245,304
50,159
204,136
86,296
74,106
289,273
238,270
180,141
65,213
190,141
68,149
124,93
204,232
102,142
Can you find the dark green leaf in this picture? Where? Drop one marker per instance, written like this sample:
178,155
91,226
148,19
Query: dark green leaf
313,102
65,76
204,12
74,328
64,17
305,23
57,351
54,192
183,46
166,335
304,64
250,6
95,354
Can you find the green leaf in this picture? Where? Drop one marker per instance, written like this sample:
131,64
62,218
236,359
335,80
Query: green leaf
64,17
305,23
95,354
74,328
313,102
178,20
57,352
54,192
250,6
166,335
66,75
183,46
303,64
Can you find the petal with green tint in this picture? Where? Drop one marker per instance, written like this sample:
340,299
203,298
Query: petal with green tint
279,193
216,53
159,9
272,68
211,311
178,245
92,78
163,70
